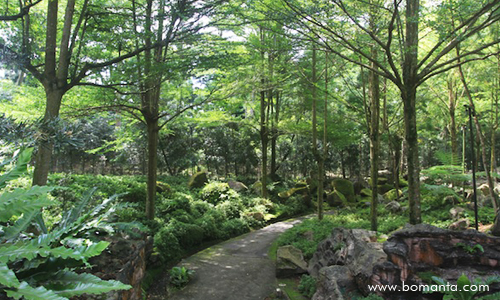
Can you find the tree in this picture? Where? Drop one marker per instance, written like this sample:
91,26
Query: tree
398,41
64,61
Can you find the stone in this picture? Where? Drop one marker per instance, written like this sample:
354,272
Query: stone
356,249
450,200
359,185
198,180
423,248
336,199
495,229
237,186
457,212
335,283
287,194
393,207
392,195
485,189
162,187
290,262
345,187
384,188
461,224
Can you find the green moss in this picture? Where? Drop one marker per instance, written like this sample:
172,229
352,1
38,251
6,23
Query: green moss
345,187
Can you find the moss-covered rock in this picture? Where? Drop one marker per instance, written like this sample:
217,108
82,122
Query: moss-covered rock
198,180
287,194
336,199
384,188
366,193
392,196
345,187
162,187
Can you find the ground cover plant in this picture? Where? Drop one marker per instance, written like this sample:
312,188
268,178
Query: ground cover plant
37,262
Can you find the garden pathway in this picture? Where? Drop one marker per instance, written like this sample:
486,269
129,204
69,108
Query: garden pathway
238,269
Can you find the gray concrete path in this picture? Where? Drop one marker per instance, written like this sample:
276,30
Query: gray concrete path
238,269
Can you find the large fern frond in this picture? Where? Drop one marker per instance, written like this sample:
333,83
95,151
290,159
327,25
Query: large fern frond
29,293
68,284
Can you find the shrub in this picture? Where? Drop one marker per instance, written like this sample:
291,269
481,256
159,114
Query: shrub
307,286
180,276
234,227
167,245
231,209
211,228
188,235
215,192
199,208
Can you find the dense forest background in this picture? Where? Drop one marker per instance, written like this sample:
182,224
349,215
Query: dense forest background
252,89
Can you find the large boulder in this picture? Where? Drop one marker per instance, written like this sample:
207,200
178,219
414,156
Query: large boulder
345,187
237,186
198,180
424,249
356,249
335,283
290,262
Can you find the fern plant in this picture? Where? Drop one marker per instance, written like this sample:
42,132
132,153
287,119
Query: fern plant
43,265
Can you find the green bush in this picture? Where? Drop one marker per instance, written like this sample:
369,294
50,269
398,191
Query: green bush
215,192
234,227
167,245
199,208
188,235
211,228
180,276
307,286
231,209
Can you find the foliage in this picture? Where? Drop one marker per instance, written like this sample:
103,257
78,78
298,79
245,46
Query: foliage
307,285
215,192
469,248
42,265
472,290
180,276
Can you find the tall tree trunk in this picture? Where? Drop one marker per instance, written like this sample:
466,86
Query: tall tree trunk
409,96
152,127
45,144
453,126
479,134
374,139
315,148
264,135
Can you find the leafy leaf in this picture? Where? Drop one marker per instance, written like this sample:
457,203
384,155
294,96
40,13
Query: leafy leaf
27,292
20,169
7,277
68,284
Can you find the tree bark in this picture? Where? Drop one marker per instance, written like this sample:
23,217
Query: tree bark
374,140
409,96
152,167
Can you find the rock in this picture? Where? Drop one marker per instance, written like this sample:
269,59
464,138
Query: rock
393,207
290,262
356,249
384,188
485,189
309,235
162,187
258,216
423,248
495,230
461,224
450,200
290,192
335,283
456,212
345,187
198,180
359,185
336,199
392,195
237,186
